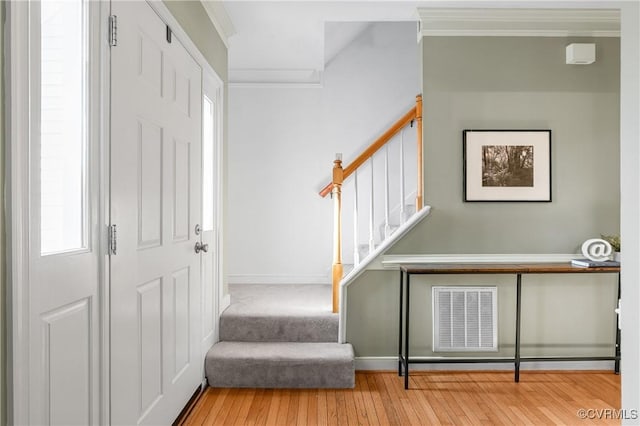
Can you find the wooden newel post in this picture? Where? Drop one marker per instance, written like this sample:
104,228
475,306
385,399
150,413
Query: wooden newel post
419,190
336,193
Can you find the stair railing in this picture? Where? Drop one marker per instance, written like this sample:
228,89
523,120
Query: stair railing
340,174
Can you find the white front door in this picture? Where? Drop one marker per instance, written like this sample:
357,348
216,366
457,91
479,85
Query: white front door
156,199
64,236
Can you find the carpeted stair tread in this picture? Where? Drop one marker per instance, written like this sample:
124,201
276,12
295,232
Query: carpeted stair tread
280,336
250,327
280,365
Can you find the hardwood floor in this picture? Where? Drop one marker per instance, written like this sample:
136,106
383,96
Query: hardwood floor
465,398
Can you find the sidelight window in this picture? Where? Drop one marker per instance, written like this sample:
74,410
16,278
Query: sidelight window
63,129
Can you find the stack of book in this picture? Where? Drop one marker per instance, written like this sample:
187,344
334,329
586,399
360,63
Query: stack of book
586,263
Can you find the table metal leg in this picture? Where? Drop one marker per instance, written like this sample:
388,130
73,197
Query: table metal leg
518,307
616,367
400,325
406,335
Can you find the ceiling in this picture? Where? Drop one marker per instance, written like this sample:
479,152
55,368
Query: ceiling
291,41
285,41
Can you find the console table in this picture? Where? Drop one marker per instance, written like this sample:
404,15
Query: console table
518,269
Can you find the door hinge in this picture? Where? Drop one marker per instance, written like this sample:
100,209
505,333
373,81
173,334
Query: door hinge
113,240
113,30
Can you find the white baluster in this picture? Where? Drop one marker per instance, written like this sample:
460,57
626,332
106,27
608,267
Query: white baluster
387,229
356,249
402,196
372,244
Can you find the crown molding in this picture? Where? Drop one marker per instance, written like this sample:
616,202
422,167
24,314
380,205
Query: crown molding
220,19
519,22
273,78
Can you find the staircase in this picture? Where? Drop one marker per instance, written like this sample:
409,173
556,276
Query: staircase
280,336
380,192
286,336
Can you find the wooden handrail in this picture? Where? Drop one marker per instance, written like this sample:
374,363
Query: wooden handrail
340,174
375,146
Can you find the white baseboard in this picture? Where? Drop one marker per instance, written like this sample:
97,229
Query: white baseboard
391,363
279,279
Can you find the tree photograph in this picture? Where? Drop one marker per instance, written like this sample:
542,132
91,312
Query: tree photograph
507,165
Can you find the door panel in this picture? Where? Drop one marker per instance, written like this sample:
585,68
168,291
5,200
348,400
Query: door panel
149,184
181,190
181,315
155,204
149,345
150,61
67,350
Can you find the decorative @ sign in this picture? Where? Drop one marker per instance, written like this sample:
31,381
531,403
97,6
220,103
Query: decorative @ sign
597,249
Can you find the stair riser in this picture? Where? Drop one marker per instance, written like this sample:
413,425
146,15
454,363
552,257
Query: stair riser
279,329
241,373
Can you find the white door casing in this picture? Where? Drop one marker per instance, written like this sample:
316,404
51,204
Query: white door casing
155,206
211,201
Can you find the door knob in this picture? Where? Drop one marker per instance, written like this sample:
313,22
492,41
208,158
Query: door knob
200,247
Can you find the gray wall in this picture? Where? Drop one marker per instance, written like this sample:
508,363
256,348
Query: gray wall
195,21
511,83
501,82
561,314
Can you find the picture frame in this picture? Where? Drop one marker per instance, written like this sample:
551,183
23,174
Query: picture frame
507,165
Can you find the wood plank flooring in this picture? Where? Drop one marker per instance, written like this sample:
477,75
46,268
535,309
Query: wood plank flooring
435,398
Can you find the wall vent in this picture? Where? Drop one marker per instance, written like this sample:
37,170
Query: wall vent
465,319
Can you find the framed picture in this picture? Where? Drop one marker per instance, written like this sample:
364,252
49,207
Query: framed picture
507,165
